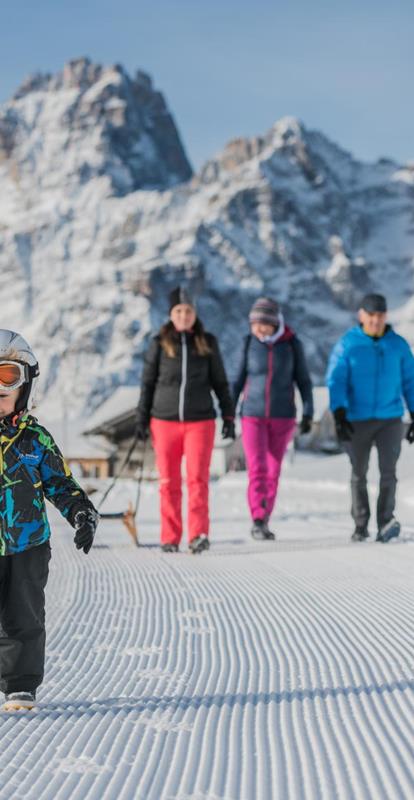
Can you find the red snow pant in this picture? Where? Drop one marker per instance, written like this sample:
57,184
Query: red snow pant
172,441
265,441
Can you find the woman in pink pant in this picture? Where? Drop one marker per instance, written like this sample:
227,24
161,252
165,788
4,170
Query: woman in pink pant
271,364
182,367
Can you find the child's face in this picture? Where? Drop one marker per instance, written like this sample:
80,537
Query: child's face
8,402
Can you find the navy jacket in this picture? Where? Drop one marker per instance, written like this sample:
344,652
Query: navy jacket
370,377
267,376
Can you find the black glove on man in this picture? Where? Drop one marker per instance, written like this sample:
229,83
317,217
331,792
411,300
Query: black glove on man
228,430
142,431
344,428
305,425
85,523
410,432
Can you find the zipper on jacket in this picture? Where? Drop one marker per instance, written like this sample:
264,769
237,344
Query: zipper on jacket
183,377
269,380
377,352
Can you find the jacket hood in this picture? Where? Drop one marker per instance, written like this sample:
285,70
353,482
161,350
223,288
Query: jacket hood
288,334
282,334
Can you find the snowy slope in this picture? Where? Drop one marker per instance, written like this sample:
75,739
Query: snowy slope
99,218
282,671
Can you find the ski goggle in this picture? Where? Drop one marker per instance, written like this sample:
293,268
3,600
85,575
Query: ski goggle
12,375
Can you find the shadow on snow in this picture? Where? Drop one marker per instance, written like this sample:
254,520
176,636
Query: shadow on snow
114,705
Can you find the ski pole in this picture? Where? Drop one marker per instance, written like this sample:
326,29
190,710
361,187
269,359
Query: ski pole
120,471
139,479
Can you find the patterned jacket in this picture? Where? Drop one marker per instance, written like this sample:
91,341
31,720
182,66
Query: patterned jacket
32,468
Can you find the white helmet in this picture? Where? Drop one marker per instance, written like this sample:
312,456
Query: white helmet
13,343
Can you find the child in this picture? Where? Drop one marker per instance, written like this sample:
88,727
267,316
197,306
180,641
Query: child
272,363
31,469
182,367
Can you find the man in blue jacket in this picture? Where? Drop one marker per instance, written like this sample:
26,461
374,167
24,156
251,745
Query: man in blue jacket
370,374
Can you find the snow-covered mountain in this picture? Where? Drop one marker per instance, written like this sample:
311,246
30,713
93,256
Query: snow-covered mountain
100,215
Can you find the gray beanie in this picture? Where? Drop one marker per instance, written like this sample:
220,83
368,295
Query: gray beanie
266,311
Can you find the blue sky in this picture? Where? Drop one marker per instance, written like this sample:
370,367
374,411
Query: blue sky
231,68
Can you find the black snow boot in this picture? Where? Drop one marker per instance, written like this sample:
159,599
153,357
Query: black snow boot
260,530
199,543
360,534
169,547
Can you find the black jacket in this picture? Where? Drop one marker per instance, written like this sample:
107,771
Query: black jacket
267,376
179,388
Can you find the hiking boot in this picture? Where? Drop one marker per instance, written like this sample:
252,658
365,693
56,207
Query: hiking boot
169,547
360,534
389,531
260,530
199,543
17,701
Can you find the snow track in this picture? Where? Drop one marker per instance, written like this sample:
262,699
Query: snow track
282,673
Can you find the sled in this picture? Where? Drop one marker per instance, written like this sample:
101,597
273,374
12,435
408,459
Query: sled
128,519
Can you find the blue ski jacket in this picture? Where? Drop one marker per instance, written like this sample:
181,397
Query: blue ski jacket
371,377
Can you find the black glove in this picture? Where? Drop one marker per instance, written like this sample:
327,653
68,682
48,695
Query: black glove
344,428
228,430
305,425
141,431
85,523
410,432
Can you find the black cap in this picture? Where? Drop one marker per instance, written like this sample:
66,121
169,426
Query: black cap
179,296
374,303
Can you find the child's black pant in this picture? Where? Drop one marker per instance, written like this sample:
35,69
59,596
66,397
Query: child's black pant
23,577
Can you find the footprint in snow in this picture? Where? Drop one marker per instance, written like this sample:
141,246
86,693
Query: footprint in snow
80,764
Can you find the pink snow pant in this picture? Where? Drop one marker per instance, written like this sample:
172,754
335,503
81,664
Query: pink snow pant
172,441
265,441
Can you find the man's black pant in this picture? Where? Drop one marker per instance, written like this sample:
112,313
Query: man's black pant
386,435
23,578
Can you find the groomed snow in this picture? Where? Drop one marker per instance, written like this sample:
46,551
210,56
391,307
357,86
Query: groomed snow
253,672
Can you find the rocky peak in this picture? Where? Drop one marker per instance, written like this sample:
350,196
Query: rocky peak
80,74
287,132
287,139
92,121
33,83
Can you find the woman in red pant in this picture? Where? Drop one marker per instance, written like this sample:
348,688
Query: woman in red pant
182,367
